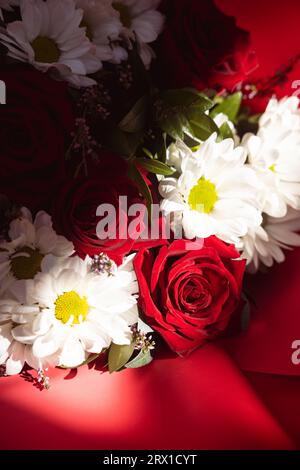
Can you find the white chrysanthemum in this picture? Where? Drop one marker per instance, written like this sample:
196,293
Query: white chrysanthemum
103,28
140,18
275,155
72,313
50,37
178,150
13,354
215,194
27,252
266,243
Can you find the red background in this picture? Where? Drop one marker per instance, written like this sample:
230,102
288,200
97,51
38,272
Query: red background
239,394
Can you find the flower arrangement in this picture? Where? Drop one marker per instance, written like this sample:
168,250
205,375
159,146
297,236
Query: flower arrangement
137,185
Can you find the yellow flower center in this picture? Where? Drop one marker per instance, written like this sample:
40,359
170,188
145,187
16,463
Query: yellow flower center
273,168
203,196
88,30
71,305
45,50
124,11
26,262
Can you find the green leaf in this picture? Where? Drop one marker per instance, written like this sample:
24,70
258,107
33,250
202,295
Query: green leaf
202,126
187,98
172,123
135,120
162,151
123,143
91,358
191,142
148,153
180,112
141,360
230,106
118,356
155,166
137,177
225,132
247,123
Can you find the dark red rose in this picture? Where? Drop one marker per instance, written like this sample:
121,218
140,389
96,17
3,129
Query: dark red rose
202,47
34,126
75,207
189,290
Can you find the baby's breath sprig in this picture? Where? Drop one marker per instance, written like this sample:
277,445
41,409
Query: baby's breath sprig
143,342
43,379
102,264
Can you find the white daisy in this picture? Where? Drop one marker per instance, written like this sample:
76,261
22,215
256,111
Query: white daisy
274,153
28,249
73,312
265,244
14,354
49,37
141,20
103,28
215,194
178,150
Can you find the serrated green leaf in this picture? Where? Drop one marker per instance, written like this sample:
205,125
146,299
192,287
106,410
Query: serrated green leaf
119,355
230,106
135,120
141,360
136,176
156,167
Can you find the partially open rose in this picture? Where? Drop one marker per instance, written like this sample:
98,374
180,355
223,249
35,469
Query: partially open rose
75,210
203,47
189,290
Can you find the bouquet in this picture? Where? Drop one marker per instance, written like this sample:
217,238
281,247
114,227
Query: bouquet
143,172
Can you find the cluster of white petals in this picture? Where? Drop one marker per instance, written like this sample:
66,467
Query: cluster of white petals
215,193
246,193
55,309
274,154
73,38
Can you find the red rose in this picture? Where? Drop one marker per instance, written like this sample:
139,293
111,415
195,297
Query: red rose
34,126
202,47
189,290
75,207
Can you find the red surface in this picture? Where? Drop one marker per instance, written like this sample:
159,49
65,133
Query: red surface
243,394
200,402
